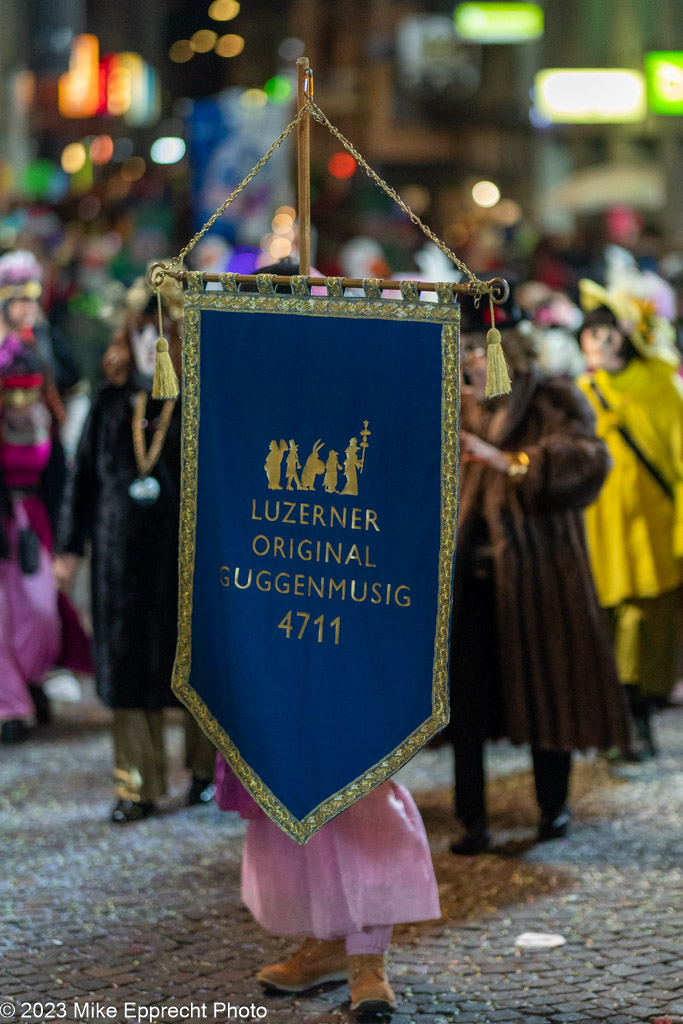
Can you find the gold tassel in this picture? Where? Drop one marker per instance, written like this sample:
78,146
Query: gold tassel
165,379
497,374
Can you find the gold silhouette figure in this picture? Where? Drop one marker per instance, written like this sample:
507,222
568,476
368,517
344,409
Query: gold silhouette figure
273,464
331,469
314,466
351,465
292,465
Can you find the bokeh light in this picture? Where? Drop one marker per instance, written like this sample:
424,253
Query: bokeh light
123,149
282,223
38,178
456,234
253,98
101,149
508,212
181,51
417,197
203,40
229,45
342,165
133,169
280,248
167,150
224,10
485,193
73,157
278,89
117,187
291,48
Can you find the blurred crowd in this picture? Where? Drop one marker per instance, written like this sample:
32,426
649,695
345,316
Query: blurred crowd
584,459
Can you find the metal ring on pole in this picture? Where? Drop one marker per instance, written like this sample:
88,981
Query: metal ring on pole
500,290
156,275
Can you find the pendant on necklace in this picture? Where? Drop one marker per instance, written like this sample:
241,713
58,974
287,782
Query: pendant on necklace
145,490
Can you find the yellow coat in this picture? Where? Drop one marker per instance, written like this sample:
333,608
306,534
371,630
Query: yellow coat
634,531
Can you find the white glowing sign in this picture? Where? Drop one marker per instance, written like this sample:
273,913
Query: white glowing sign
590,95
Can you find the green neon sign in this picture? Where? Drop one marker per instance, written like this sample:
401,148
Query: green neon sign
498,22
664,77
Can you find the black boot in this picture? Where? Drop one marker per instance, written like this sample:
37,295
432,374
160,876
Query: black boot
41,702
13,731
126,811
202,791
475,839
554,824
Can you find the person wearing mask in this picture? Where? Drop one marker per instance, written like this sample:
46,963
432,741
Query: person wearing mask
38,627
635,525
530,654
124,499
342,893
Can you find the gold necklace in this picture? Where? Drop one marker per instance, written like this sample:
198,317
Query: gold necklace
146,459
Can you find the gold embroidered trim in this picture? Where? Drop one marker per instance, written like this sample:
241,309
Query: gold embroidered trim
446,314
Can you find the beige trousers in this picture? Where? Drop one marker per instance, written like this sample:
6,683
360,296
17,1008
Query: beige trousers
140,758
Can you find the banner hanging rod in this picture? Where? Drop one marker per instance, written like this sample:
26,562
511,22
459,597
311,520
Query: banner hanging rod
500,290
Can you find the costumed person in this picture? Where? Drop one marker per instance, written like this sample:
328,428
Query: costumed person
363,872
635,527
38,627
530,653
342,893
124,498
555,320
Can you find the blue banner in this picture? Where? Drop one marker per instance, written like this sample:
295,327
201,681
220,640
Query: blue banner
319,515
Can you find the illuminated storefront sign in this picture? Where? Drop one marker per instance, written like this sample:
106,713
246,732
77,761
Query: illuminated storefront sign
118,85
590,95
499,22
664,74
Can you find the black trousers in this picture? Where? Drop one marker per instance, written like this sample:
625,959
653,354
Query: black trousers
477,703
551,778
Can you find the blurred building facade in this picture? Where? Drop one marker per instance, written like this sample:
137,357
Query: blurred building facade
433,113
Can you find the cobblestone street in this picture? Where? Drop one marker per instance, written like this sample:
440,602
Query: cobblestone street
94,916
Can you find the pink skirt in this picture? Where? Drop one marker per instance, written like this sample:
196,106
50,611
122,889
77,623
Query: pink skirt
369,866
30,630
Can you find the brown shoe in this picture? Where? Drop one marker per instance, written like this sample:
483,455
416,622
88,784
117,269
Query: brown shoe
314,963
370,988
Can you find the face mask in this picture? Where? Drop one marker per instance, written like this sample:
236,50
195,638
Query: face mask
144,345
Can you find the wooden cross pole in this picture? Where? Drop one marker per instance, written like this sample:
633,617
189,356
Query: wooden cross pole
304,88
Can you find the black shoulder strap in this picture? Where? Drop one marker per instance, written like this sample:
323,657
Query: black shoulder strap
641,456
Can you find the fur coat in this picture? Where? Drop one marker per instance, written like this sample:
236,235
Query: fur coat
134,573
558,684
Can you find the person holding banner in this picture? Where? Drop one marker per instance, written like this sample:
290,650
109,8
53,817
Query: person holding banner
530,654
361,873
124,498
635,527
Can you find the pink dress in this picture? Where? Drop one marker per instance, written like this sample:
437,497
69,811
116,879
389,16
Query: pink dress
30,629
370,866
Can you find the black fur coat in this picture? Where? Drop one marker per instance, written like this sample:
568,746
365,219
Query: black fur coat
134,551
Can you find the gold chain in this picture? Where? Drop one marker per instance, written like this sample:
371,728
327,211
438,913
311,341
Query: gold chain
322,118
147,460
478,287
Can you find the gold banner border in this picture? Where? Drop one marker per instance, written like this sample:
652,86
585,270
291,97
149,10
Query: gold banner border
445,312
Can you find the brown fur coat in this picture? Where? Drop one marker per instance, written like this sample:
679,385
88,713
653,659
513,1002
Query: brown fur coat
558,683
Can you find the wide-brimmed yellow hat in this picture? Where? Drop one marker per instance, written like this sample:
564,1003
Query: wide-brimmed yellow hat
652,335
